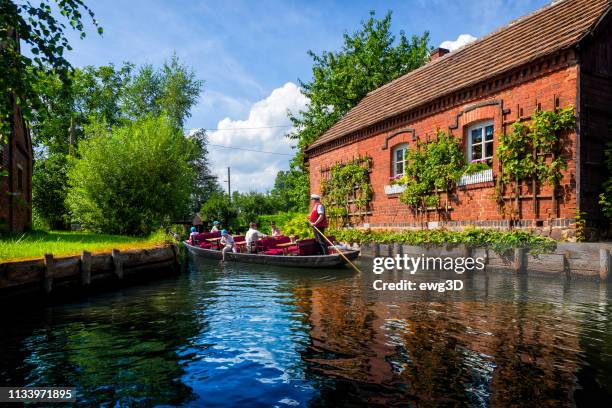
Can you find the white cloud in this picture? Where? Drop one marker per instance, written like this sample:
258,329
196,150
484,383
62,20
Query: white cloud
252,171
462,40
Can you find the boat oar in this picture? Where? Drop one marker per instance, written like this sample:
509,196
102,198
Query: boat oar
337,250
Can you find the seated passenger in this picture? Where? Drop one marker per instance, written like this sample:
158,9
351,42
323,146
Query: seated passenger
228,244
275,231
193,235
216,226
252,236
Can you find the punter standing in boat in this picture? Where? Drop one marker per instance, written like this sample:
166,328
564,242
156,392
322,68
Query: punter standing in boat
319,220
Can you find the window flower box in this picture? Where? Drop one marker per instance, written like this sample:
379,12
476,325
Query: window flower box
476,178
394,189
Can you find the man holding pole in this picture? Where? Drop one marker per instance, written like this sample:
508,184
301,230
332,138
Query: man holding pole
318,220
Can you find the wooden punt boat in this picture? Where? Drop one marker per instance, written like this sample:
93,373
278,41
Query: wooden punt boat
299,261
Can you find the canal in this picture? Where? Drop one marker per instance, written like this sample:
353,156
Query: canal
248,335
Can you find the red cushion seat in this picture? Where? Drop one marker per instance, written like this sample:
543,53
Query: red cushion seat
277,251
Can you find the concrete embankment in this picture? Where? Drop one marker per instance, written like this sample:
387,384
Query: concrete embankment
86,270
568,261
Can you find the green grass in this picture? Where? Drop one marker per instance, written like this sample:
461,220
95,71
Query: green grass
35,244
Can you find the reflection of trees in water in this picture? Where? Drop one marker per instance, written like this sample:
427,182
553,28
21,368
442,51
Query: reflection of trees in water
534,363
596,346
498,353
127,357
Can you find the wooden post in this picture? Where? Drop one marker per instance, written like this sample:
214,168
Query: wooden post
48,273
604,263
117,261
86,268
176,265
519,260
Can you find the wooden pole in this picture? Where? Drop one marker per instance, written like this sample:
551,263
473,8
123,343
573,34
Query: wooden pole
48,273
339,251
86,268
117,262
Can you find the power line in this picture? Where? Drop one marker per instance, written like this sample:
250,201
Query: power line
251,128
248,150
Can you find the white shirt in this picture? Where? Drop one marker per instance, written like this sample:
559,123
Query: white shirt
320,209
214,229
253,235
227,240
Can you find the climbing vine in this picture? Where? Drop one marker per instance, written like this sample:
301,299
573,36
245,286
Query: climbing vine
531,149
348,187
432,167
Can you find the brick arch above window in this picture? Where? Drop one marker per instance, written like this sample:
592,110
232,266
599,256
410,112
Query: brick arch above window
400,136
487,110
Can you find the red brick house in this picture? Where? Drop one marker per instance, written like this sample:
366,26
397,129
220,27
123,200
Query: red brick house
558,56
16,188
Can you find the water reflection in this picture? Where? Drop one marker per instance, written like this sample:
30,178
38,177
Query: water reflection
254,336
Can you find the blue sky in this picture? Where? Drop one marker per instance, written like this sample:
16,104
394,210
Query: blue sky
252,53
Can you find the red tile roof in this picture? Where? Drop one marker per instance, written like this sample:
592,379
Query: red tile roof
552,28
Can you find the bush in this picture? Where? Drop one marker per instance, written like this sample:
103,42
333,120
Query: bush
289,223
49,191
251,206
499,241
133,179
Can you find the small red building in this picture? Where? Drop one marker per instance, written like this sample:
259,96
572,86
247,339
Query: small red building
16,188
558,56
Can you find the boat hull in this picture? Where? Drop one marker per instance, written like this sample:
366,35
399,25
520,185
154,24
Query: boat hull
294,261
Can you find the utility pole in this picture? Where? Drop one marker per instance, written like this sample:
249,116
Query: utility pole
229,185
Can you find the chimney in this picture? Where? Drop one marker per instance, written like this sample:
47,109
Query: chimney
437,53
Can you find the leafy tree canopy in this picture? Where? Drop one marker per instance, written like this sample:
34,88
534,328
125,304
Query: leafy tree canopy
133,178
38,27
369,58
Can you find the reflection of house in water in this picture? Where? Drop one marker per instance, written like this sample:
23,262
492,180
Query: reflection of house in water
369,346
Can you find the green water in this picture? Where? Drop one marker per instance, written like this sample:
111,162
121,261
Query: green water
248,335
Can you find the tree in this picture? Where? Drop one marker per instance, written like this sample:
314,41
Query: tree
172,90
50,186
217,208
132,179
38,27
93,95
369,58
252,205
290,190
65,109
108,96
205,184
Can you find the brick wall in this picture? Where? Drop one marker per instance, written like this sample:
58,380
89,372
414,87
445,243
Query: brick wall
472,204
16,189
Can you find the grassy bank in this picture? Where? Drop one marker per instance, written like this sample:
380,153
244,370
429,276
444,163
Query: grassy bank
35,244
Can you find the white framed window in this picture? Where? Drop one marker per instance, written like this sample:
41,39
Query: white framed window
480,141
399,159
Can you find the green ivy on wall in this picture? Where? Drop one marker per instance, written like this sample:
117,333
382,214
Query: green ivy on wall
432,167
347,190
531,150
